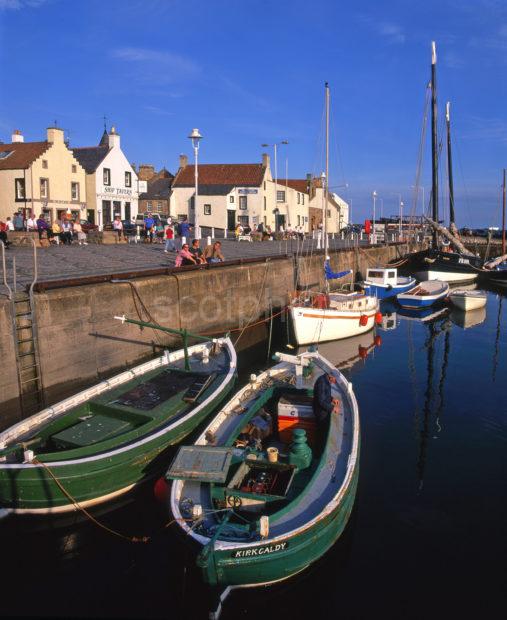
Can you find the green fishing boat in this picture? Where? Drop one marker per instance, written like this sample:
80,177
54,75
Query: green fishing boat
112,437
264,492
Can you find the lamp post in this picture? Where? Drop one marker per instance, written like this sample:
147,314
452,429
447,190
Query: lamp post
401,215
275,146
195,136
372,236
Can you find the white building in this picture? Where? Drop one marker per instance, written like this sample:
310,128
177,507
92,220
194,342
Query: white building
112,186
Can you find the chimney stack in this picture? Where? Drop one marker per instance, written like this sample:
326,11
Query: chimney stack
183,161
114,138
146,172
17,136
55,134
265,160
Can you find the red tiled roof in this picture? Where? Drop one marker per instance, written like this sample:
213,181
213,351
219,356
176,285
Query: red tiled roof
221,174
300,185
23,154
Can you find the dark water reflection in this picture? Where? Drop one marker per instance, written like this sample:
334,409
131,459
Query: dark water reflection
428,534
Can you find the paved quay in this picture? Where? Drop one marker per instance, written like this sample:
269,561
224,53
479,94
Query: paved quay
62,262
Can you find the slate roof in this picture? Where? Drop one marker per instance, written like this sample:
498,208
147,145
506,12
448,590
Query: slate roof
158,188
234,175
23,154
90,157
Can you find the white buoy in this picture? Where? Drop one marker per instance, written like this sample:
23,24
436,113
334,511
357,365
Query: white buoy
264,526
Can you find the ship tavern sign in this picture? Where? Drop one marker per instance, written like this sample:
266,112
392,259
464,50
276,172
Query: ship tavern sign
256,551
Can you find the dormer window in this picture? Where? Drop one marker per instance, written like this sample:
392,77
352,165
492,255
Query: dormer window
107,176
5,154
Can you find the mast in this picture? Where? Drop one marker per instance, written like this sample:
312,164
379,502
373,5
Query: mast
434,143
452,221
503,214
326,186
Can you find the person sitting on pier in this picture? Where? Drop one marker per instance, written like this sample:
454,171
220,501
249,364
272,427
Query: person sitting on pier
3,234
213,253
184,257
323,403
42,227
66,234
196,251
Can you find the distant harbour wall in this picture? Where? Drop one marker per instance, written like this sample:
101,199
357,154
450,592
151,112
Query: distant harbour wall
80,343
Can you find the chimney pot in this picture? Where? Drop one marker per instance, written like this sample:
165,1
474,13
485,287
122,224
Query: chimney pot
183,161
265,160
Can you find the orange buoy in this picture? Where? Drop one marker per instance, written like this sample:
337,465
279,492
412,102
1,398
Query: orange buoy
363,320
377,340
363,352
378,318
161,490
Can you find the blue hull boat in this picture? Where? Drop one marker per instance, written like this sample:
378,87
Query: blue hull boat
384,283
424,295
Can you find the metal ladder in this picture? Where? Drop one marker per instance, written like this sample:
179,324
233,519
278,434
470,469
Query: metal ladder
31,393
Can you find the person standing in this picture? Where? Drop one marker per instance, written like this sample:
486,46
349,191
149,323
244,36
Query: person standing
185,229
18,221
169,240
149,224
10,224
118,228
323,402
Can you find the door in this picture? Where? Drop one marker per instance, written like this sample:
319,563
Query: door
106,212
117,208
231,219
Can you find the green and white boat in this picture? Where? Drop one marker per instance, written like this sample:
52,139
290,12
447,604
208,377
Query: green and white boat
110,438
255,519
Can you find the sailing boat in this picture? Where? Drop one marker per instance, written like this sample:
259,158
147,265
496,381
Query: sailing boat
496,270
436,264
322,316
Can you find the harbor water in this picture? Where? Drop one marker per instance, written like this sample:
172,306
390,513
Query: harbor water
427,537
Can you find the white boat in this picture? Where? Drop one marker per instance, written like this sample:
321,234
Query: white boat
318,317
323,316
468,300
423,295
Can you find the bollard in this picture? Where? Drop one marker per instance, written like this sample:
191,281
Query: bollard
138,234
225,233
183,241
208,240
212,232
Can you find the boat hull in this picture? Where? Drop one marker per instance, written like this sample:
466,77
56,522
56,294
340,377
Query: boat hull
420,302
322,325
447,276
281,558
385,292
33,490
467,302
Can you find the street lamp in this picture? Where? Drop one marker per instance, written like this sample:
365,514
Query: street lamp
275,146
374,196
195,136
401,215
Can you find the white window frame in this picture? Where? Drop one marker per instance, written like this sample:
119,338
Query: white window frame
43,182
207,209
280,195
75,185
128,178
106,176
243,203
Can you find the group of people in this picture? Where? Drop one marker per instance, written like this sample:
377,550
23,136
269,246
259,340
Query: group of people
59,231
267,233
193,255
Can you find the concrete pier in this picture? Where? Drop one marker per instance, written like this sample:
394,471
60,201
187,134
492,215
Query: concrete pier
80,343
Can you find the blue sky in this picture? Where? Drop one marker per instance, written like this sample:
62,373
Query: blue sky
249,72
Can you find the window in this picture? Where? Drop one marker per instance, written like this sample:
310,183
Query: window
5,154
299,220
231,198
265,220
243,220
302,199
207,209
148,205
192,202
280,196
117,207
243,202
44,163
44,188
264,185
128,179
264,203
159,207
329,212
74,191
391,274
74,168
299,198
127,211
107,176
19,185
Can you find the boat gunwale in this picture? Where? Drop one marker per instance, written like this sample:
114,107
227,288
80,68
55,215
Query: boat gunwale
177,485
103,386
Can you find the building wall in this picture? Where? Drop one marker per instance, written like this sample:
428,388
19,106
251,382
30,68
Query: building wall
117,191
60,161
8,203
